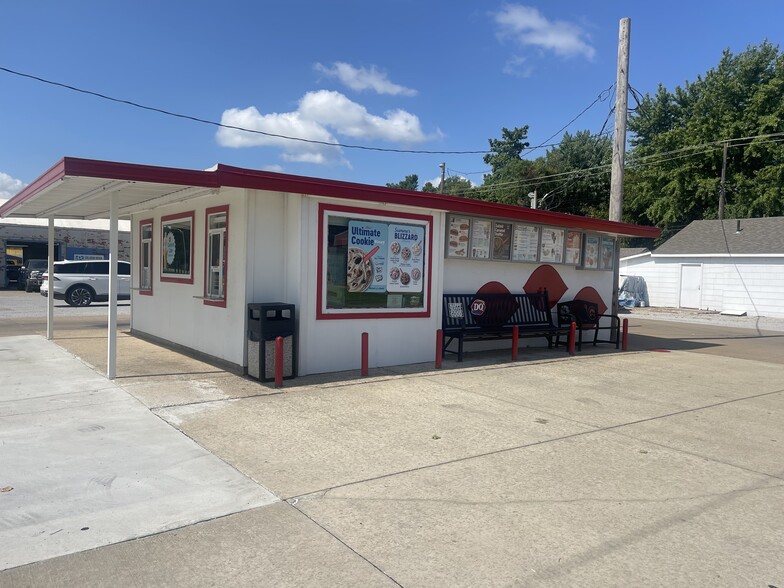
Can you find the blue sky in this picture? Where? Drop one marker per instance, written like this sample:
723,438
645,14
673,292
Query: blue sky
401,74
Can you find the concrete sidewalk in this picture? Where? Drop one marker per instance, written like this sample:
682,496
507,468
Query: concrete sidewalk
83,464
606,469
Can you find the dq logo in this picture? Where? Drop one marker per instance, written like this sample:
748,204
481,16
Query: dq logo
478,307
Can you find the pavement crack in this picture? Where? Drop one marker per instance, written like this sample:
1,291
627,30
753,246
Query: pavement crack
544,501
541,442
345,544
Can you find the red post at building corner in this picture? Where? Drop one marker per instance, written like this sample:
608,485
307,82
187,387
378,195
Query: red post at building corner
278,362
364,354
625,338
439,348
515,341
572,336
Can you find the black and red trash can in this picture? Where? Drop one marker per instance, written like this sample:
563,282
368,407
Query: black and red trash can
267,322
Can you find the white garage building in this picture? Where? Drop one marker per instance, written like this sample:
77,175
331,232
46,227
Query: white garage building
731,266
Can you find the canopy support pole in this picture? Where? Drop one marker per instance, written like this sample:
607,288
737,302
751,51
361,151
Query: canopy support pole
50,280
111,369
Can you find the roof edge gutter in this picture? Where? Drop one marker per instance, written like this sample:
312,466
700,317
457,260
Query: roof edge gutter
51,177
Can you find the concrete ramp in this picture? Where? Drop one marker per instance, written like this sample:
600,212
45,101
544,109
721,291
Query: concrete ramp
83,464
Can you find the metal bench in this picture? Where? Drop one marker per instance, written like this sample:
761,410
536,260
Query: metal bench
487,317
586,316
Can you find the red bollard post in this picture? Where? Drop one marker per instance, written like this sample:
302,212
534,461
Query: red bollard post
364,354
515,341
439,348
572,336
625,339
278,362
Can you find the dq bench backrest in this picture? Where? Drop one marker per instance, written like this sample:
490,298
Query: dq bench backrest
495,310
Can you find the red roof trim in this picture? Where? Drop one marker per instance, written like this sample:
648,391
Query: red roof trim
260,180
52,175
139,173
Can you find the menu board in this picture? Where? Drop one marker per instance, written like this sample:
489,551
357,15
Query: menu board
573,247
367,257
608,254
480,239
552,245
406,258
591,252
502,240
525,246
457,246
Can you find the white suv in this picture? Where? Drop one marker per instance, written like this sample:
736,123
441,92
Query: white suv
80,283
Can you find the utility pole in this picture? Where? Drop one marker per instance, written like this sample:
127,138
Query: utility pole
619,139
723,174
619,147
532,196
443,173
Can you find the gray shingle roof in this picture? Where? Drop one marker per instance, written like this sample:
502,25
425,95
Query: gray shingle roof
705,237
630,251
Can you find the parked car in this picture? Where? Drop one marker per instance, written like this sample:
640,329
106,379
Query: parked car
81,283
30,273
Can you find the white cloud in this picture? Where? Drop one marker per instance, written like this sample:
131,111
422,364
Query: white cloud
287,124
350,119
318,115
528,26
437,181
518,66
9,186
359,79
273,168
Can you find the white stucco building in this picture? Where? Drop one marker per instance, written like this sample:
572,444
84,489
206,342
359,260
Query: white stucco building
353,258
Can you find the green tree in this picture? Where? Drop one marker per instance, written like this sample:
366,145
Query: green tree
565,179
674,166
508,148
408,183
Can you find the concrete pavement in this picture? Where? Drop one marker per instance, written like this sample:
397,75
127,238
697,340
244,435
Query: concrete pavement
648,467
85,465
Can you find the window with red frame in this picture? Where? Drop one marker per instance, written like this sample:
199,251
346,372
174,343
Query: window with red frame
217,224
145,272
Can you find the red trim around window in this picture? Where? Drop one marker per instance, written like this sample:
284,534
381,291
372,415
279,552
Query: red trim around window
144,223
182,215
210,211
321,313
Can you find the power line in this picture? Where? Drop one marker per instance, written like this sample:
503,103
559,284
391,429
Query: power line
656,158
234,127
603,95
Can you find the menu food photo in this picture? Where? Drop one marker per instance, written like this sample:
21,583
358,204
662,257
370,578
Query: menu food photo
502,240
591,252
480,239
367,257
526,243
457,245
406,258
608,253
552,245
573,247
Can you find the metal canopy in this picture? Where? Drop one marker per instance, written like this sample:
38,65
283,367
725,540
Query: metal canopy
80,189
84,189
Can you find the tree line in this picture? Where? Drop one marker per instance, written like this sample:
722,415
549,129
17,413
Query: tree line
675,156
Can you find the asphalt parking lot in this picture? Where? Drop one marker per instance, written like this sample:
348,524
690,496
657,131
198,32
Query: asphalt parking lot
658,466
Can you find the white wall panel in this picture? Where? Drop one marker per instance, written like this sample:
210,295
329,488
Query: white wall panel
176,312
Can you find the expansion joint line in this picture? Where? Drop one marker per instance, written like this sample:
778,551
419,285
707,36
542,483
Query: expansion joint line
293,504
324,491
